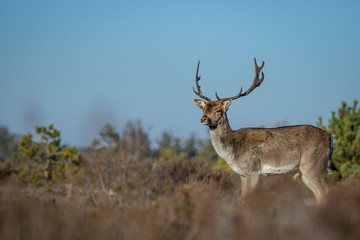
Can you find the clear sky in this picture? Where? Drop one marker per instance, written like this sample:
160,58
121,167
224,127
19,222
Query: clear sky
82,64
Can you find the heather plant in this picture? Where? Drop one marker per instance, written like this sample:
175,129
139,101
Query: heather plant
46,160
345,126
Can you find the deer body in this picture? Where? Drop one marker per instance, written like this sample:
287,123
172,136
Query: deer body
252,152
268,151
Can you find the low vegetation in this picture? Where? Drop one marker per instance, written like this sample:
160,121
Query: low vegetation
345,127
125,188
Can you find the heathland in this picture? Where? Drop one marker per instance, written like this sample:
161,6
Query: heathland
125,187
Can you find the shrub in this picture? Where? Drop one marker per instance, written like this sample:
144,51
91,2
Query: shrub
345,126
46,160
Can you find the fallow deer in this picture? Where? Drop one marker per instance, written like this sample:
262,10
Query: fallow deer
252,152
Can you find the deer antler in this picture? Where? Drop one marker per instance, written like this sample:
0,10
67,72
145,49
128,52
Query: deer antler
197,79
230,98
257,81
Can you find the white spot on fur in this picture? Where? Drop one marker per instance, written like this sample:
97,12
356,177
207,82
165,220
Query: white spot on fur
268,169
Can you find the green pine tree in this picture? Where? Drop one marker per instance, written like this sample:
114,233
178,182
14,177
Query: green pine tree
46,160
345,126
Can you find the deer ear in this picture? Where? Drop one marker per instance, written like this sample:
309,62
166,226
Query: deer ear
227,104
200,103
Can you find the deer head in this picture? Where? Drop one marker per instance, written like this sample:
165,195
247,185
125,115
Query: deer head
214,111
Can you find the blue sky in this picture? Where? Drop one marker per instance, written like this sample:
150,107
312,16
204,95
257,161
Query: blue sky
82,64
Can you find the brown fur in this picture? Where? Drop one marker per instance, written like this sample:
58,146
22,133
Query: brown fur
252,152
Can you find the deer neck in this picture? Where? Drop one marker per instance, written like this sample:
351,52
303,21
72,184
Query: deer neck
220,137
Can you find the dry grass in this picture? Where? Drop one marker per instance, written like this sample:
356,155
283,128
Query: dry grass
128,199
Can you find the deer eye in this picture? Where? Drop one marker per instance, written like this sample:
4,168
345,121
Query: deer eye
218,111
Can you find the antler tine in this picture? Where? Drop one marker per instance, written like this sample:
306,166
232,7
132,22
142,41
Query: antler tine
217,96
257,81
197,79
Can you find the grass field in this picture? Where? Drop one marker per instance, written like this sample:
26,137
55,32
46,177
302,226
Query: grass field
129,199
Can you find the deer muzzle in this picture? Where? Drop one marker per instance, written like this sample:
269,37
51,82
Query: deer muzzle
205,120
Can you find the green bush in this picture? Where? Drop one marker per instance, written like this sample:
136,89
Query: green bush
349,169
345,126
39,163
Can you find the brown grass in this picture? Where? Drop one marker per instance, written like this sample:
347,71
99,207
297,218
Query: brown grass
128,199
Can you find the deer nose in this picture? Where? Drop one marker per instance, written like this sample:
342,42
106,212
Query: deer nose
204,119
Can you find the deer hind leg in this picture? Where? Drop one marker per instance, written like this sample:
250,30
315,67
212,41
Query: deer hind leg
312,176
315,184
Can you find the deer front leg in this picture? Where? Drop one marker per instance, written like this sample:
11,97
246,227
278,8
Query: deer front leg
248,183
